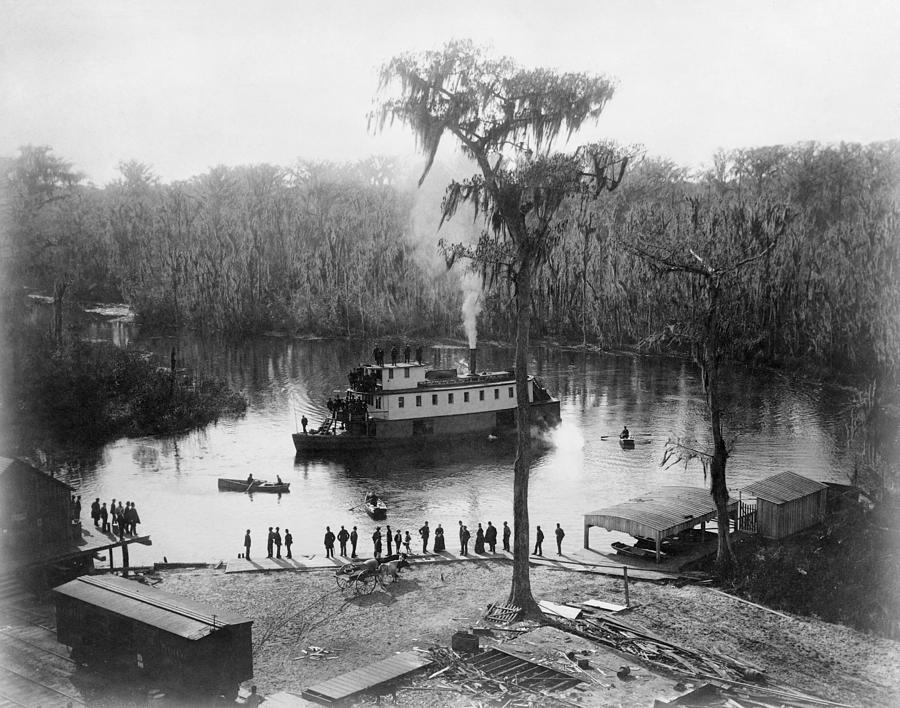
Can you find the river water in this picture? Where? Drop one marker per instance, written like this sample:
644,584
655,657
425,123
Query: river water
776,424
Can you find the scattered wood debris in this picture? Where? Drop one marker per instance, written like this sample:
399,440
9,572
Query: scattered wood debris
314,652
502,614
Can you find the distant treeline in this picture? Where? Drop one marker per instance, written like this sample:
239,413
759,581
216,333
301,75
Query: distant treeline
331,249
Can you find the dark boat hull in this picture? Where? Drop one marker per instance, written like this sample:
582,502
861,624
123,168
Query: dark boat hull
626,443
545,414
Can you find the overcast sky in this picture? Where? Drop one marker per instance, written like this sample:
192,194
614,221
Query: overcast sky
184,85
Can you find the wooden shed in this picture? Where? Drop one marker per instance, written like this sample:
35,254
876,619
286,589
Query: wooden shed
35,508
112,621
787,503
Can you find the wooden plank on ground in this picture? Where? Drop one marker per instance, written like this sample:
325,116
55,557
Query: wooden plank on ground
551,608
603,605
368,677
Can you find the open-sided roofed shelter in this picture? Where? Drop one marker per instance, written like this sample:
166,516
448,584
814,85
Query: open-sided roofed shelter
658,514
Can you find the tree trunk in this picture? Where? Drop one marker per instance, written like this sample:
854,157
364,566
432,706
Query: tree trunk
59,294
520,593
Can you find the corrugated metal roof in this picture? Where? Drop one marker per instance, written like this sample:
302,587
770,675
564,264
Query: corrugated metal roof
368,677
658,514
782,488
163,610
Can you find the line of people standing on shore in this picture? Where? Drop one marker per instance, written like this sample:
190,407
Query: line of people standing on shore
398,541
117,519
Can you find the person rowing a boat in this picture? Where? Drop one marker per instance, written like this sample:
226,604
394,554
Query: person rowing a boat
624,435
250,479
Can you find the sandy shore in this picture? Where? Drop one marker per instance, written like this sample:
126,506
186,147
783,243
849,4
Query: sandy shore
295,610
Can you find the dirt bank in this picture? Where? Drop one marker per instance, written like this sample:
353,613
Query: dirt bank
295,610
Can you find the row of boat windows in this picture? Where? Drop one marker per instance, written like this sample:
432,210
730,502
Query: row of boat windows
401,400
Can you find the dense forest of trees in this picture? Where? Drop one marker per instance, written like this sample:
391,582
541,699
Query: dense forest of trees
334,249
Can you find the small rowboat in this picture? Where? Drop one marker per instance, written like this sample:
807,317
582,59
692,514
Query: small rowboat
626,443
239,485
626,550
375,507
257,485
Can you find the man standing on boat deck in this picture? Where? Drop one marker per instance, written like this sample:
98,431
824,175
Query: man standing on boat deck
247,545
490,537
424,532
406,353
560,535
539,543
304,421
270,542
288,542
507,532
394,355
276,538
354,537
329,543
342,539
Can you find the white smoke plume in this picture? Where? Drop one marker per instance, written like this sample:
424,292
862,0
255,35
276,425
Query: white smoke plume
471,307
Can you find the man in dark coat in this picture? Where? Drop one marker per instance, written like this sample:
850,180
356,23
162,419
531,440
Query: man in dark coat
329,543
539,541
342,539
276,539
560,535
247,543
464,536
490,537
304,421
406,353
394,356
288,542
95,511
507,532
376,542
461,529
354,537
390,540
104,518
424,532
270,542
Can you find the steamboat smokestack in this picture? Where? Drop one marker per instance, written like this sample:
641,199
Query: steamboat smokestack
472,361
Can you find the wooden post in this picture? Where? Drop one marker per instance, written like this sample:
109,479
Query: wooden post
124,560
625,575
658,543
587,530
112,565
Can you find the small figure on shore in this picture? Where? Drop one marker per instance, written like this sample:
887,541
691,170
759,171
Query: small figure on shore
461,529
304,422
507,532
95,511
560,535
439,540
113,522
479,539
77,512
270,543
254,699
104,518
376,541
354,537
342,540
539,543
490,537
135,519
247,544
329,543
288,542
407,540
464,536
424,532
390,539
398,539
276,539
625,434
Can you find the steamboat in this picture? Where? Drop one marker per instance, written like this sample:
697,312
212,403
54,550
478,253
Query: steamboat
408,403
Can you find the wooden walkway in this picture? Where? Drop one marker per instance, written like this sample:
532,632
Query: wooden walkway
367,678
